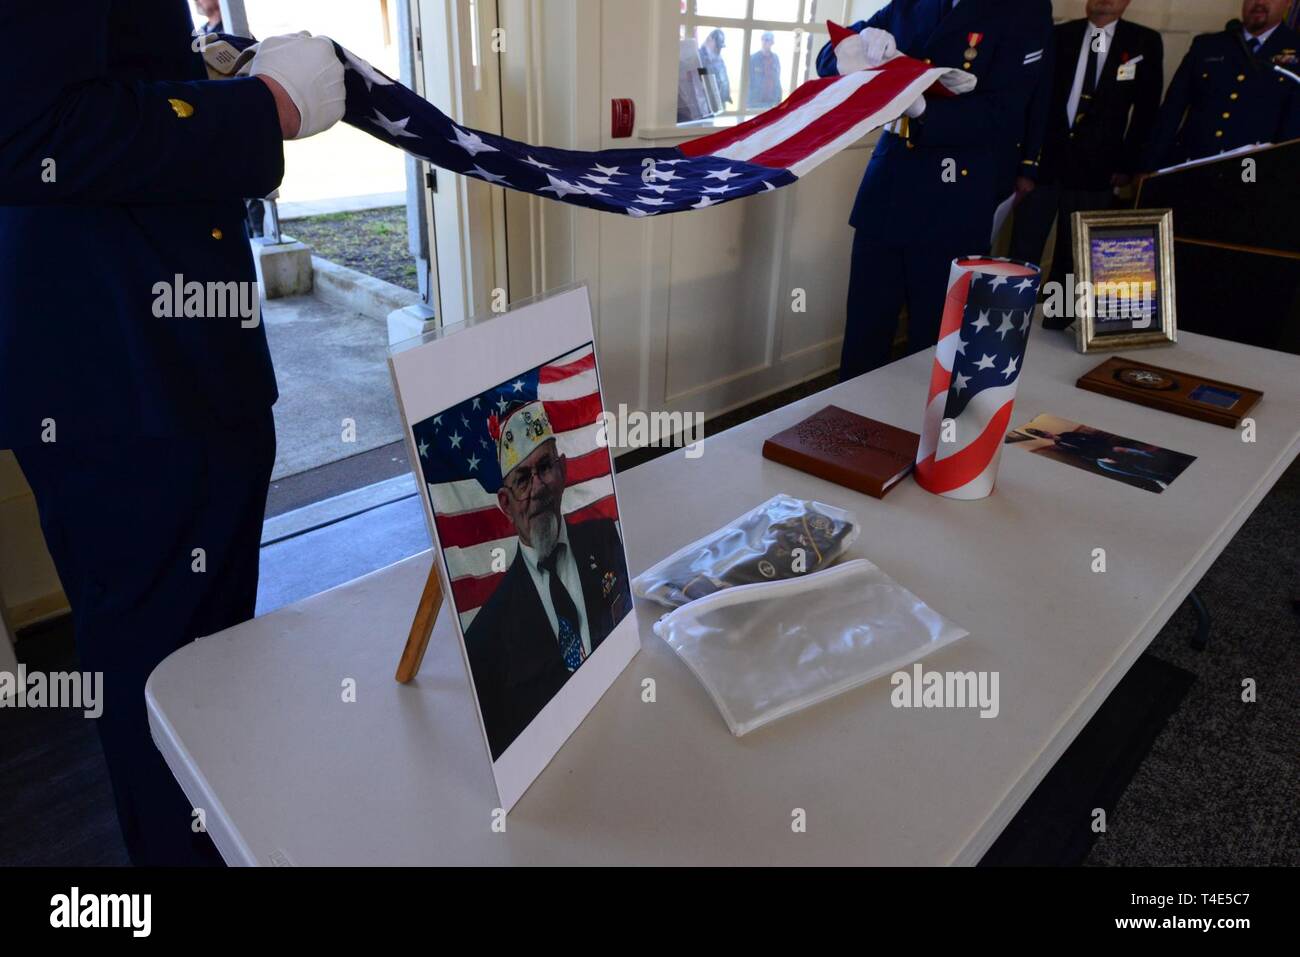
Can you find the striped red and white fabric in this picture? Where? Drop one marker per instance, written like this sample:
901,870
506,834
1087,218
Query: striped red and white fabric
774,149
820,118
471,526
983,334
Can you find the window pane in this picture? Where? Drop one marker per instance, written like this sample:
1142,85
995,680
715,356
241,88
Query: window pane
787,10
737,9
720,51
808,50
771,55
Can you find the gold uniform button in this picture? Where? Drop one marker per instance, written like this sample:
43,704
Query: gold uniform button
1234,96
181,109
1241,78
218,234
1218,134
965,172
1226,115
1205,76
966,65
928,61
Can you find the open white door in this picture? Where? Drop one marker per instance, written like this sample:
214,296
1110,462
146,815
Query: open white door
461,76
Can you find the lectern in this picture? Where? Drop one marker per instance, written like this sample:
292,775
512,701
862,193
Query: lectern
1236,243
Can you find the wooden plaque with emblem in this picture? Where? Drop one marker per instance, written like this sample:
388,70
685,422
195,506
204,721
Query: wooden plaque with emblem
1181,393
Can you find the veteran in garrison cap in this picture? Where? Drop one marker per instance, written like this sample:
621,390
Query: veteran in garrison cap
1229,91
562,595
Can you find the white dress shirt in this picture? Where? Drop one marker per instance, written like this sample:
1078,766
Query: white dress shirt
567,567
1076,91
1262,38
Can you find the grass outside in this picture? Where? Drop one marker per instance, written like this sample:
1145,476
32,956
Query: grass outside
372,241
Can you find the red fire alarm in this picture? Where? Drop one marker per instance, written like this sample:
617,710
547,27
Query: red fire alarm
622,118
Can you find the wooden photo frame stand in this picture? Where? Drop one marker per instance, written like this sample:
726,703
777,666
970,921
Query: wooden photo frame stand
426,616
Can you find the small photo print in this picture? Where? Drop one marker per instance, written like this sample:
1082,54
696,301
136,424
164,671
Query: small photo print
521,488
1135,463
1125,269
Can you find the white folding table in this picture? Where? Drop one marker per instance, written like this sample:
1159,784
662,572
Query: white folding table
253,723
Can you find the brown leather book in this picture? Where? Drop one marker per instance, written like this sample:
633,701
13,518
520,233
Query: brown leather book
847,449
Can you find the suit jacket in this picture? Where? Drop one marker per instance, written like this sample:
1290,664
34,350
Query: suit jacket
1222,98
903,193
106,189
514,656
1113,128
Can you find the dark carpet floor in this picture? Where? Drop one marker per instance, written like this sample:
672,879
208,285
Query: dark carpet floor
56,805
1221,782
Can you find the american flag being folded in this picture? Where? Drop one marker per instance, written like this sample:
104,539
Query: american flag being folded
774,149
982,337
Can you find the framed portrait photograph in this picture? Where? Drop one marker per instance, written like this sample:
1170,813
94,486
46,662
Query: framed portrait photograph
1125,265
504,422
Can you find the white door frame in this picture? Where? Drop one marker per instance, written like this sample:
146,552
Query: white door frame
461,76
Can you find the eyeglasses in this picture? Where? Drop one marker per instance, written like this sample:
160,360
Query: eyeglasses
520,482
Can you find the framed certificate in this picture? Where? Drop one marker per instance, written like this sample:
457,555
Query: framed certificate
1125,261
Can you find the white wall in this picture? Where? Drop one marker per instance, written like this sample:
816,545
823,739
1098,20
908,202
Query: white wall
693,311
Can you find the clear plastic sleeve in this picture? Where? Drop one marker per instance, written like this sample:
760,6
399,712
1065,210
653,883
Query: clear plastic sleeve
783,538
765,651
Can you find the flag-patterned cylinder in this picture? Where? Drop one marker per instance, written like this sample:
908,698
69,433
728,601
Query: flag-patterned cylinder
982,336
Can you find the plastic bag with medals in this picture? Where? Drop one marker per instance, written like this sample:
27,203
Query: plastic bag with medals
785,537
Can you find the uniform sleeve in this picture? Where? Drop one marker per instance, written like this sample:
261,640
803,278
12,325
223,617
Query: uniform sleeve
828,64
994,113
1170,118
69,134
1146,104
1290,127
1036,116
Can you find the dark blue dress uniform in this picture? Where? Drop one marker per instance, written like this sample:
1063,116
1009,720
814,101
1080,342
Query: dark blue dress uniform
513,652
1112,125
1222,97
121,167
910,223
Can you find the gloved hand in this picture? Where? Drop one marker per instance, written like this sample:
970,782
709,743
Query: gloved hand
310,73
959,81
877,46
916,109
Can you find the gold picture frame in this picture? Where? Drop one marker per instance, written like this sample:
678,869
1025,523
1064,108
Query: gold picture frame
1137,304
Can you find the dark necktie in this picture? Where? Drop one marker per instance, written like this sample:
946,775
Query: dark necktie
1255,44
566,612
1089,78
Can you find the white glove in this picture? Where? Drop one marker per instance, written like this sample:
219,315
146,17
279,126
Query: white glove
959,81
916,109
310,73
877,46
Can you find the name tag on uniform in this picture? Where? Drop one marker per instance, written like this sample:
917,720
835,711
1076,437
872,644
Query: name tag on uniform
1129,70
